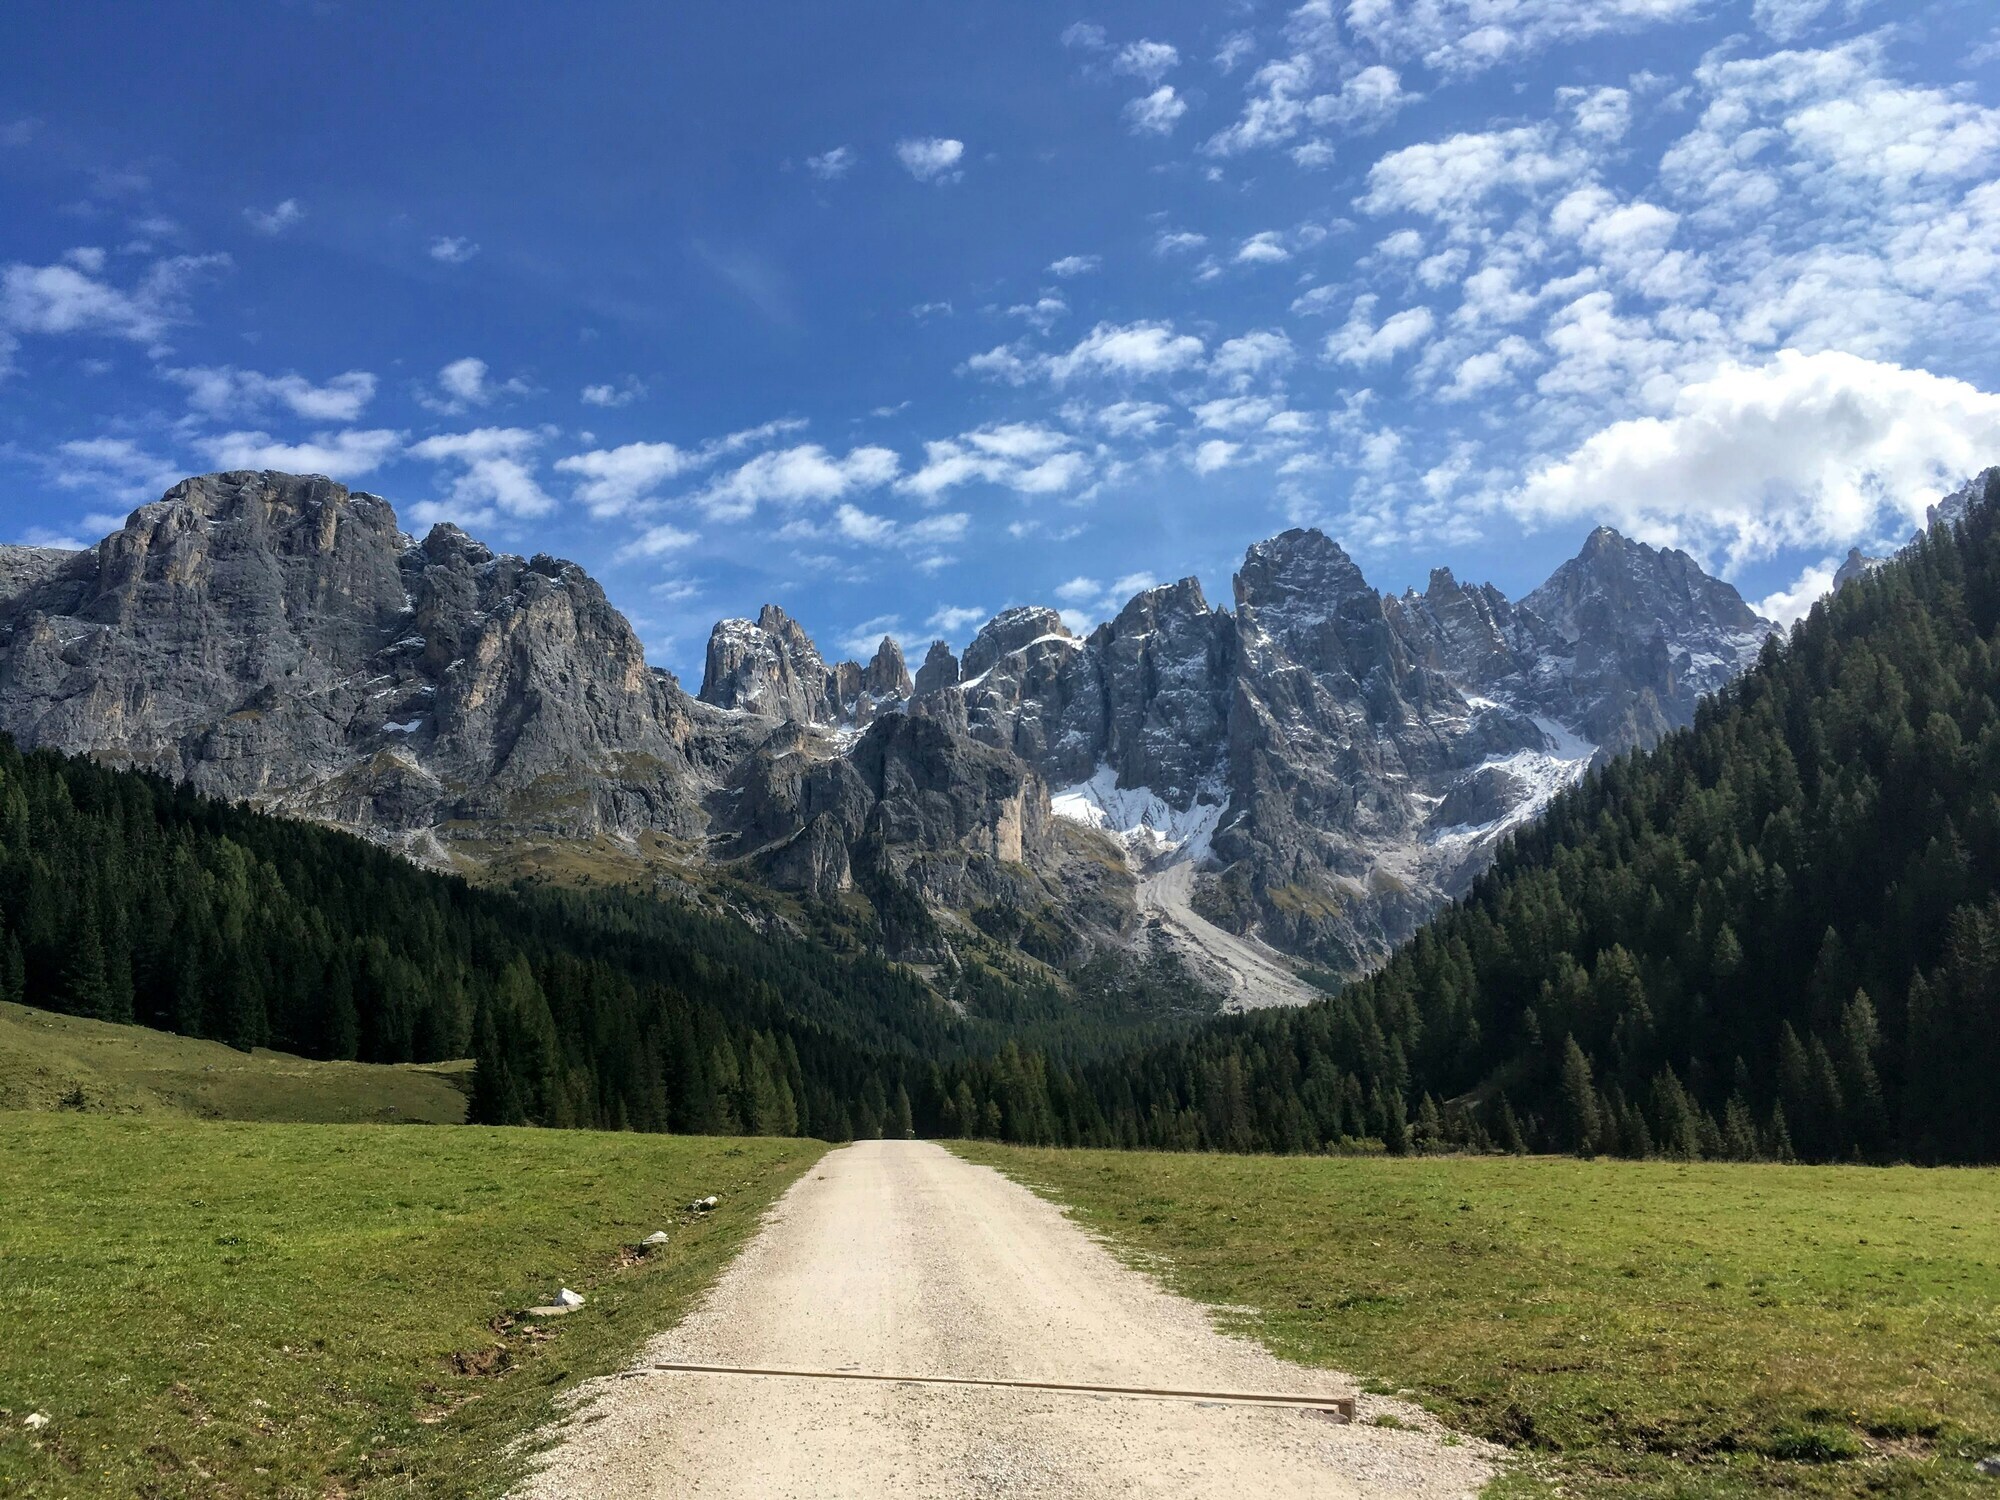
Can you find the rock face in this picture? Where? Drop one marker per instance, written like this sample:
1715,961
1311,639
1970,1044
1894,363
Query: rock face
1313,769
768,666
1360,755
278,639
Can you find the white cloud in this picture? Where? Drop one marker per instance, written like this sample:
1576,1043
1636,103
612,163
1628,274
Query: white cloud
70,297
1024,457
789,477
42,536
949,619
275,221
1237,48
831,166
1236,413
224,391
931,158
1283,101
609,395
1786,605
1241,360
1156,113
658,541
1075,265
495,478
1150,61
1136,350
1043,313
1788,20
116,468
464,384
1175,242
615,480
1085,35
1452,179
1480,372
1361,342
347,454
1821,450
1132,418
453,249
1214,455
1264,248
1604,114
1463,37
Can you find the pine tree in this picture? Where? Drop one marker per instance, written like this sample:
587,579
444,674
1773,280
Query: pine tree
1581,1122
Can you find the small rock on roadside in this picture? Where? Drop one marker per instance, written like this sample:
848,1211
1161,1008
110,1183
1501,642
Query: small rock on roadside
654,1240
34,1421
705,1205
567,1298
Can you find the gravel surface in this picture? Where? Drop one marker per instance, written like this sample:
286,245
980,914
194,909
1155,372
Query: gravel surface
897,1257
1250,975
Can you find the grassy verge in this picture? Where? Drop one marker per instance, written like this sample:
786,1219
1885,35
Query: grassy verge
53,1061
1635,1329
222,1310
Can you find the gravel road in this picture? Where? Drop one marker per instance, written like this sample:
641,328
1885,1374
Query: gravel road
897,1257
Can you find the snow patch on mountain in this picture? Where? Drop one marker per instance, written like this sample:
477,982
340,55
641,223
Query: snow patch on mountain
1145,823
1532,778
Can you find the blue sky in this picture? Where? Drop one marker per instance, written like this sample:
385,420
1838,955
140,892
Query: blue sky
899,313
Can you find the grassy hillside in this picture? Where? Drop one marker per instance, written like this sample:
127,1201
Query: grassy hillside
1632,1328
216,1310
53,1061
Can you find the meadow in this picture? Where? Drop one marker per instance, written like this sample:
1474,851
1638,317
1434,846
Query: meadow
1634,1329
52,1061
211,1310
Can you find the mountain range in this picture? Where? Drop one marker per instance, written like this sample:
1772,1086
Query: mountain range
1300,778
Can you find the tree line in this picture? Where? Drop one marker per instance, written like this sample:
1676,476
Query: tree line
1775,935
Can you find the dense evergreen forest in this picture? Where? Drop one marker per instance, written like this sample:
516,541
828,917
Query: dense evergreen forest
1775,935
126,898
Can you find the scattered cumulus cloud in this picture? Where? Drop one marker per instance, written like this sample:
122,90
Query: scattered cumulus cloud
931,158
831,166
466,383
453,249
791,477
494,480
1361,341
1156,113
347,454
276,220
1075,265
224,393
1146,60
608,395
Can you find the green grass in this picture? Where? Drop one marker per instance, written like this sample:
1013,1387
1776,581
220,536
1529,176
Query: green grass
52,1061
1632,1329
218,1310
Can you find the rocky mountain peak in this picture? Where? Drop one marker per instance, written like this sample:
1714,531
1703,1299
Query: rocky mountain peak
887,675
1007,632
939,671
768,666
1617,584
1298,570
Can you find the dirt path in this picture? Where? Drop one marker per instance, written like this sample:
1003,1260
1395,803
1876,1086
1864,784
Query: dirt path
897,1257
1250,976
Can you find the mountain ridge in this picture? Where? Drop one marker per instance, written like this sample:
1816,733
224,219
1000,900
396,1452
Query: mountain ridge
277,639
